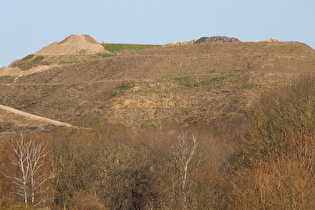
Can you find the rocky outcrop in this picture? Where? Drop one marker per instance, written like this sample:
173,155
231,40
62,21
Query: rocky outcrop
216,39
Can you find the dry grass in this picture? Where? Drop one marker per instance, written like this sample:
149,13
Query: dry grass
275,184
185,85
214,86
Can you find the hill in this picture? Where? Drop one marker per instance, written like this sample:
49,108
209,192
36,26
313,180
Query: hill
177,85
237,128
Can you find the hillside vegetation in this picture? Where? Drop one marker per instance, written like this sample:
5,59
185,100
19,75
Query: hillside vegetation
198,126
34,60
182,85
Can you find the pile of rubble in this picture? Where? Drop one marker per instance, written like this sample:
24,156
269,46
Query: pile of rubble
216,39
212,39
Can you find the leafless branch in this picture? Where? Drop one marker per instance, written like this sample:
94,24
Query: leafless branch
30,158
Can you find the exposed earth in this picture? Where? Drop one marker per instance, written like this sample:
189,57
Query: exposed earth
73,45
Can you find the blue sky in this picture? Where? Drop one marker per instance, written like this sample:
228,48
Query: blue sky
27,26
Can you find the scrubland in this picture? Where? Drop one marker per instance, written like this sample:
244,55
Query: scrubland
227,126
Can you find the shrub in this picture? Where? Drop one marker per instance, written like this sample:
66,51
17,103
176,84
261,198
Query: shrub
275,163
285,112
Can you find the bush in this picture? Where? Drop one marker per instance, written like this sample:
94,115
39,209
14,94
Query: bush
279,115
275,163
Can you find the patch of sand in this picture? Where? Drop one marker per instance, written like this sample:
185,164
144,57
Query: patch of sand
73,45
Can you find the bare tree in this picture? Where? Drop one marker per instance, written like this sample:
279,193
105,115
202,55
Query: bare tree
183,151
30,159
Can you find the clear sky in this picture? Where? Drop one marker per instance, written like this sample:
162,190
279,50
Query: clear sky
28,25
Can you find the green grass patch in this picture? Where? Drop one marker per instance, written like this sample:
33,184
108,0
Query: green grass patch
28,57
217,79
192,85
113,94
124,86
66,62
249,86
101,55
30,61
38,59
116,48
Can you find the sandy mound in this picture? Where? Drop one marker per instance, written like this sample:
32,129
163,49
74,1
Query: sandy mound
73,45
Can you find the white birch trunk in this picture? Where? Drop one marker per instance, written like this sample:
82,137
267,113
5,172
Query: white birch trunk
29,158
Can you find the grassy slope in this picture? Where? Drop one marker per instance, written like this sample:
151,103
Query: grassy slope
33,60
118,48
191,84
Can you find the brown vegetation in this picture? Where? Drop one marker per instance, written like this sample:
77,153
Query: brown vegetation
268,164
162,86
236,129
275,163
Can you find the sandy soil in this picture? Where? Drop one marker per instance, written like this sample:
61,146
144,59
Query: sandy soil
73,45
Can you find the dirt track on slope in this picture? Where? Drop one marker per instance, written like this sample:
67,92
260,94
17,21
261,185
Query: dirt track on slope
34,117
17,72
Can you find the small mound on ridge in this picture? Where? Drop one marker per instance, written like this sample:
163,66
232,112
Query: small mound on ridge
73,45
216,39
202,40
